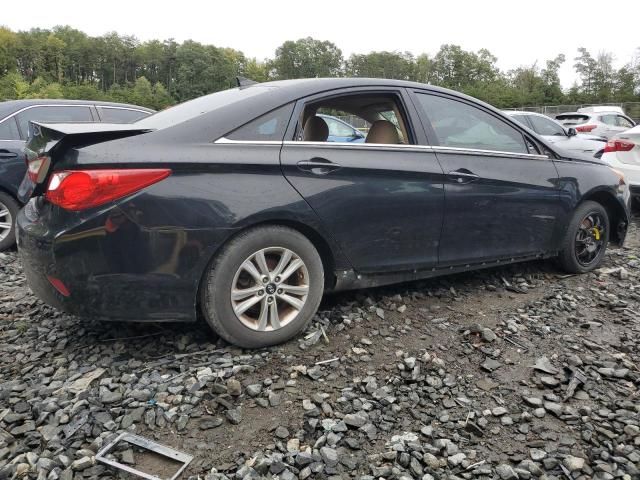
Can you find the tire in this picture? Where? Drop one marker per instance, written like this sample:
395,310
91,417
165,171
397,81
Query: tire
11,207
570,253
229,271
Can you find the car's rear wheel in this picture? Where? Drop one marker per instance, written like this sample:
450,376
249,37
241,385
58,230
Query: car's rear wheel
8,213
586,238
264,287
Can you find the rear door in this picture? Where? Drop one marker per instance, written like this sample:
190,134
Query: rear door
383,203
12,164
501,200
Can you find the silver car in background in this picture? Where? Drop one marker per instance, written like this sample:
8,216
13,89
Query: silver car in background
565,138
602,121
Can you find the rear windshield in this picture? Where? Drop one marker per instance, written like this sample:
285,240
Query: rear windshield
199,106
572,118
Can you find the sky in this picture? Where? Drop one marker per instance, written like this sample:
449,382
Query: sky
518,33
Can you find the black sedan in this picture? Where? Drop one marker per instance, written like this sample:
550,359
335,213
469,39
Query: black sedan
235,205
15,116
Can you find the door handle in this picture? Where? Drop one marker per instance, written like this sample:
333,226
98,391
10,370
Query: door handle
463,175
318,166
7,154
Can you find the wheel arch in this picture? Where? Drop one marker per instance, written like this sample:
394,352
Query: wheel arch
615,211
327,254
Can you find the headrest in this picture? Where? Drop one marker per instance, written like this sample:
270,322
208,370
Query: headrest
315,130
383,131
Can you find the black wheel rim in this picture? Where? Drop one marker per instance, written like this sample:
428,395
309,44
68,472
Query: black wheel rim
590,239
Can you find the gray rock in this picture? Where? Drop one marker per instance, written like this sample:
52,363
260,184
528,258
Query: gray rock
573,463
329,456
506,472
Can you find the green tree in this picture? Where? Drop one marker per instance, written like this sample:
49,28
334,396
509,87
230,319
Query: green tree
307,58
8,51
395,65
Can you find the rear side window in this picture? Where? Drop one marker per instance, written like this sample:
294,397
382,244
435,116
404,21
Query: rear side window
609,120
268,127
9,129
623,122
545,126
460,125
120,115
54,114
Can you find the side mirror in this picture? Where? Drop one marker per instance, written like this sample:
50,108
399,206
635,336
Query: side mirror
571,132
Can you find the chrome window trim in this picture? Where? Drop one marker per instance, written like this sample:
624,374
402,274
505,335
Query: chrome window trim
492,153
361,146
228,141
122,108
385,147
49,105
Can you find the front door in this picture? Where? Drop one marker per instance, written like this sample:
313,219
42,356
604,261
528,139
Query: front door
501,201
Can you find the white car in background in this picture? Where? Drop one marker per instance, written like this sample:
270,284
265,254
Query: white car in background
623,153
602,121
565,138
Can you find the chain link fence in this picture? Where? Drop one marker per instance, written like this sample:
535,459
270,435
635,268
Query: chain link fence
632,109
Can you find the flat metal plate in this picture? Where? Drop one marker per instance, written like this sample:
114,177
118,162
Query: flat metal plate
147,444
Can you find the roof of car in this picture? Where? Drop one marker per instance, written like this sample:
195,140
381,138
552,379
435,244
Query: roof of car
10,106
310,85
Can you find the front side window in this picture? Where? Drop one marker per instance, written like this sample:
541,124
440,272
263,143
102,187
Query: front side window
55,114
545,126
268,127
460,125
624,122
9,129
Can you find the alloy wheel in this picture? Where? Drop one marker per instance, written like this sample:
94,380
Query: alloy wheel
6,221
270,289
590,239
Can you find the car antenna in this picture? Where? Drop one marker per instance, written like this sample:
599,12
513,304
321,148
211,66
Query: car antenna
244,82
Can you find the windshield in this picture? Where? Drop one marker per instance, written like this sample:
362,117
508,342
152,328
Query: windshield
199,106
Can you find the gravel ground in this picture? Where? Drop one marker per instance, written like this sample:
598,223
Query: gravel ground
510,373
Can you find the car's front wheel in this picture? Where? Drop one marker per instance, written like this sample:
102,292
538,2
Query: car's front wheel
8,213
264,287
586,238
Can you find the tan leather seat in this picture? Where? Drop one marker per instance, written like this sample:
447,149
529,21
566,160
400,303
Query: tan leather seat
382,131
315,130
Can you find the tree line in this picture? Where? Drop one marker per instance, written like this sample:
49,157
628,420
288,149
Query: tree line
64,62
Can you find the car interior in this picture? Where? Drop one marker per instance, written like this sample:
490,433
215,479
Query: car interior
381,115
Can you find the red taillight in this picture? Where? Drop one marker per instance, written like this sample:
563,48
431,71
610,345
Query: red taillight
618,146
37,168
59,286
82,189
585,128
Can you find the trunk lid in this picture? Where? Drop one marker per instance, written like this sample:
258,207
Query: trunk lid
49,142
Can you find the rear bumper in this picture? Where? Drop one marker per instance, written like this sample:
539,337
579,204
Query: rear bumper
631,172
132,273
